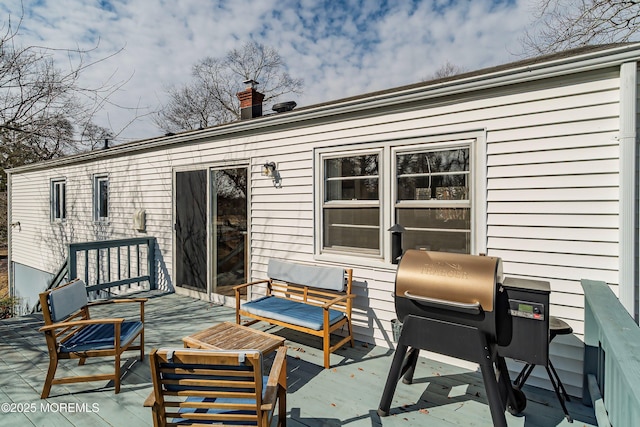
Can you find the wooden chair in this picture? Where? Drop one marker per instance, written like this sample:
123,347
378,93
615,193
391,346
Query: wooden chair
221,387
72,334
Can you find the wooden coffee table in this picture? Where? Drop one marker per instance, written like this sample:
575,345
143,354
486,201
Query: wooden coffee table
230,336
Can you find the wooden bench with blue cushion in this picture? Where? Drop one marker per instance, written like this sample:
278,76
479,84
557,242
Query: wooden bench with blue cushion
219,387
71,333
312,299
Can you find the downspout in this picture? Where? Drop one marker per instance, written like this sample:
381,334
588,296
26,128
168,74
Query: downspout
12,290
627,223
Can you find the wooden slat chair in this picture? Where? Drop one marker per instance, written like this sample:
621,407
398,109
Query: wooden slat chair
222,387
72,334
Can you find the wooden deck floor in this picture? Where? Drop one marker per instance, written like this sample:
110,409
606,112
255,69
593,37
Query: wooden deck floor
348,394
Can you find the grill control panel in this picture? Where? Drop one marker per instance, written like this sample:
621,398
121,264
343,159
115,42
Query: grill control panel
526,309
528,305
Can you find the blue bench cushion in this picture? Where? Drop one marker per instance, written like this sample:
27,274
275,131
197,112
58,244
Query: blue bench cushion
296,313
101,337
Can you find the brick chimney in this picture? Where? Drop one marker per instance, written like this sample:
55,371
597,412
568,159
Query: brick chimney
250,101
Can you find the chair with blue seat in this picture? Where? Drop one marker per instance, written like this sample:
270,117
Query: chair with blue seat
220,387
71,333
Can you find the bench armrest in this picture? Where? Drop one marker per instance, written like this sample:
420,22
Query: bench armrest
246,285
278,371
338,299
150,401
81,323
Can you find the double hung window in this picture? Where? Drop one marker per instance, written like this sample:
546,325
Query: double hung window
432,198
351,203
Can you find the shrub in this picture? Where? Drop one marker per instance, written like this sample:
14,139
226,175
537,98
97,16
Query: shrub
7,306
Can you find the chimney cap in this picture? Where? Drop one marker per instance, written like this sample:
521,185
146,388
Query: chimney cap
250,83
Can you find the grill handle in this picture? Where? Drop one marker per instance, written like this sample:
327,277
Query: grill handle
461,307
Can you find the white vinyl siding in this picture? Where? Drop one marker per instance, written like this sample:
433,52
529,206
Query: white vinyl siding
548,158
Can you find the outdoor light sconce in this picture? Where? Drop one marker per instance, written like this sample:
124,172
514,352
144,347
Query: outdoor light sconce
269,169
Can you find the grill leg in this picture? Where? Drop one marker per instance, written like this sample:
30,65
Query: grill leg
496,403
409,365
514,399
557,390
523,375
564,392
392,379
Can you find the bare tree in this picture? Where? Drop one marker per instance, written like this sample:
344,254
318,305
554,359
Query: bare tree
564,24
96,136
45,111
210,98
447,69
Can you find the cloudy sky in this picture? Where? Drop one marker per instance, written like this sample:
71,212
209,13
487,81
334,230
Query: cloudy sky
340,48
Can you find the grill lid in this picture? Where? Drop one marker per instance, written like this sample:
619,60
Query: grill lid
469,280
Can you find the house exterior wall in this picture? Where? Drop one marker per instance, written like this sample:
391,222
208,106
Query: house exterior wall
550,157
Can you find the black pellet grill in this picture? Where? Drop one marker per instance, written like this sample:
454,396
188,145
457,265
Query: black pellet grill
461,306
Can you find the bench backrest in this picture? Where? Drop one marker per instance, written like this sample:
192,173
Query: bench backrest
66,300
330,278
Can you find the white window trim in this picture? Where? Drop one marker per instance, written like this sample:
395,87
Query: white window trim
361,203
475,139
97,179
54,200
436,146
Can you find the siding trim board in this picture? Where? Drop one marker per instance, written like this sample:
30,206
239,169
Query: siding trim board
552,181
628,239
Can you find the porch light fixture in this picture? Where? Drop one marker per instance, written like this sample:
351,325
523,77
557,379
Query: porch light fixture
269,169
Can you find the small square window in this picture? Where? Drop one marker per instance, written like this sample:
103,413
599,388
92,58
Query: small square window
101,198
58,200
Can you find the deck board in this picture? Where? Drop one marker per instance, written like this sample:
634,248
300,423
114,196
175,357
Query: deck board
347,394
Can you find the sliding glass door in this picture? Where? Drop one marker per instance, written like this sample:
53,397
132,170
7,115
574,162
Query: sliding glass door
211,230
229,228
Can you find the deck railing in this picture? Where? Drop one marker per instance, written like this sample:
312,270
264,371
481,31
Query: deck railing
109,264
611,357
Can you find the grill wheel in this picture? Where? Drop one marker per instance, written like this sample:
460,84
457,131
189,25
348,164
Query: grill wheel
521,402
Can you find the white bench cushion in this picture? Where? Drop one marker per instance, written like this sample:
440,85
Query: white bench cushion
331,278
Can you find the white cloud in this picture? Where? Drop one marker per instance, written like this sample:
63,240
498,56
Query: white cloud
339,48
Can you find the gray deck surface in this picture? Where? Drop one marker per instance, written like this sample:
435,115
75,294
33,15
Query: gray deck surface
348,394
